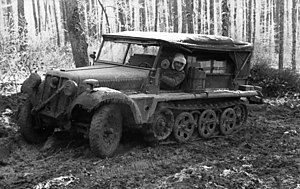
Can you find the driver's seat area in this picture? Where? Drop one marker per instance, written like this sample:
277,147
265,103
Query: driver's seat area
141,60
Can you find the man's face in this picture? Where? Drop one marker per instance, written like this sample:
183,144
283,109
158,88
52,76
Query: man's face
178,65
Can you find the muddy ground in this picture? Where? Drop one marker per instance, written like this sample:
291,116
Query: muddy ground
265,153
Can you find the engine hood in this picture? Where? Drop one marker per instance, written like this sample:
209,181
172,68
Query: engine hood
112,76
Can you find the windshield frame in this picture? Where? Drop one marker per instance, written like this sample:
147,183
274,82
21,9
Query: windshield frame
129,44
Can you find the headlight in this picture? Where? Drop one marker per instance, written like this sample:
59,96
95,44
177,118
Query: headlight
54,82
89,84
70,88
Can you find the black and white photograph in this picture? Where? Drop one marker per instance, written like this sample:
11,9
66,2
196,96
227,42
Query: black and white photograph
149,94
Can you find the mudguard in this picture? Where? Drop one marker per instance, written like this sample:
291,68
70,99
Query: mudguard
92,100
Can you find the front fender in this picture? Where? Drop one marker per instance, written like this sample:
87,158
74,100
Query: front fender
92,100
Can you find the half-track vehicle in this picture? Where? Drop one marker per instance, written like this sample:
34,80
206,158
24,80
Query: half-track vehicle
122,90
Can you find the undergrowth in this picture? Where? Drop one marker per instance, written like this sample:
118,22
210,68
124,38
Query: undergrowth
21,56
275,83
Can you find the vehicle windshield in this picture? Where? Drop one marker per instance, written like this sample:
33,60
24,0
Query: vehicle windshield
134,54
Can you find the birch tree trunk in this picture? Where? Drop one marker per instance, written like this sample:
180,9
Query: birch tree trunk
76,34
39,18
212,17
46,23
232,17
136,15
215,17
183,17
56,24
64,22
1,21
281,36
35,18
166,14
189,15
225,18
22,28
249,21
21,17
146,15
272,29
156,15
121,16
294,34
195,16
257,21
199,16
239,20
203,17
175,15
179,12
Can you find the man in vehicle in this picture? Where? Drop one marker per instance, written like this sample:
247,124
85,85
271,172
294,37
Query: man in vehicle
174,76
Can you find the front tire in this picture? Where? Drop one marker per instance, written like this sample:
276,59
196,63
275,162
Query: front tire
29,129
105,130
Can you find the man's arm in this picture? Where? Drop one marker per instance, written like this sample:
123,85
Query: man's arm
173,81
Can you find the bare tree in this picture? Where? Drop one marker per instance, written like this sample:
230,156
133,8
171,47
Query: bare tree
175,15
225,18
212,17
35,17
56,24
76,34
179,17
39,19
189,15
281,36
156,15
21,17
22,25
136,15
294,32
63,10
249,21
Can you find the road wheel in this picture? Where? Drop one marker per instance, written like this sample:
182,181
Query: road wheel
183,127
29,128
227,121
106,130
207,123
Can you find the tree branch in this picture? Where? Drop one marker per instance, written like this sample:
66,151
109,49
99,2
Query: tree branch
106,17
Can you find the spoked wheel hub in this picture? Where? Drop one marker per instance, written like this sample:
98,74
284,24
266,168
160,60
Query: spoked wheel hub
106,130
183,127
163,124
227,121
110,134
207,123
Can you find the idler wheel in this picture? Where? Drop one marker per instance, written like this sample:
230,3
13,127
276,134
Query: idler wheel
227,121
183,127
163,123
207,123
241,112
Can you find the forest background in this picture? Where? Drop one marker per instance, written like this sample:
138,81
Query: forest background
35,34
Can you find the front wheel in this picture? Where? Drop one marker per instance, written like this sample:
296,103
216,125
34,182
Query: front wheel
29,128
106,130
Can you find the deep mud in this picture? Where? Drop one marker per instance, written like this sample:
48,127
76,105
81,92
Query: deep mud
265,153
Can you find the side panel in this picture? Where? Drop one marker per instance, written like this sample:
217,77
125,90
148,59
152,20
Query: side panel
148,102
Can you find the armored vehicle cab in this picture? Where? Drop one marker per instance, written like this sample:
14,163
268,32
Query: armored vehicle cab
123,90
